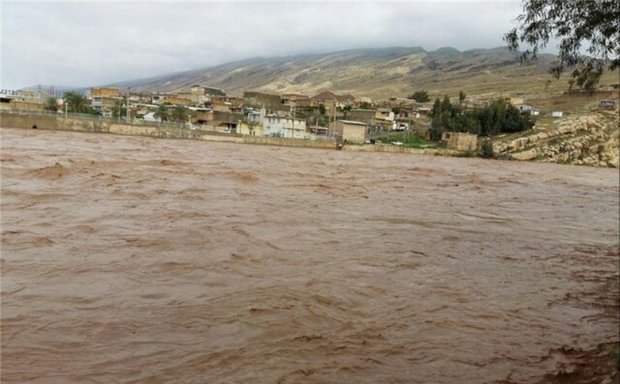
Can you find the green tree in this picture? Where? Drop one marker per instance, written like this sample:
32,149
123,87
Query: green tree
498,117
322,120
462,97
119,109
51,104
420,96
162,112
76,102
346,109
576,24
179,114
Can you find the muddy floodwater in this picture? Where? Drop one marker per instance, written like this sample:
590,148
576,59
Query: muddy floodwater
138,260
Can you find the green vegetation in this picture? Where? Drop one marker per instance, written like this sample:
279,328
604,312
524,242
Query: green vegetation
179,114
462,97
498,117
594,24
162,112
119,109
410,140
76,102
322,109
420,96
486,149
51,104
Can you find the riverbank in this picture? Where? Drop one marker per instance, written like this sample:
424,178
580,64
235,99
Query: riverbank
54,122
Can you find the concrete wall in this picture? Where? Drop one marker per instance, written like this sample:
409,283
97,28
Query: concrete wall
14,120
287,142
26,105
52,122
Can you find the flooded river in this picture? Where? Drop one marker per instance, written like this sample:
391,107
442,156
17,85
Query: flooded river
137,260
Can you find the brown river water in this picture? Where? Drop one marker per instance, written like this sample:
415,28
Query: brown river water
138,260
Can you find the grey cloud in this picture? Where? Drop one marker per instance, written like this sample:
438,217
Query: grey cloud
88,43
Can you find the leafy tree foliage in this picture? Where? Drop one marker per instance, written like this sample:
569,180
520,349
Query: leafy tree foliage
578,25
498,117
119,109
162,112
51,104
76,102
420,96
179,114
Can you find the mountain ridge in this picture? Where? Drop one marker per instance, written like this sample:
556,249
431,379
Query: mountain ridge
375,72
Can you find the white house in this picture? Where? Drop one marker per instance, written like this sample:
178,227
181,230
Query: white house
276,126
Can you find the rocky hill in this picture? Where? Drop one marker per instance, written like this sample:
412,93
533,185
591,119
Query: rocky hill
587,137
377,73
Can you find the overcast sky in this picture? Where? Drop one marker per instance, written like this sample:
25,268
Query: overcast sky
80,43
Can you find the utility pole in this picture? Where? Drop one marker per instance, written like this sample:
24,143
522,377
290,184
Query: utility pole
334,118
293,113
128,92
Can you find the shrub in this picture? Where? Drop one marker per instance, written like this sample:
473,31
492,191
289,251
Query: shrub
486,149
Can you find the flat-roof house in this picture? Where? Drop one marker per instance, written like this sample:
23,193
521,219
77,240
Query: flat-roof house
276,126
351,131
460,141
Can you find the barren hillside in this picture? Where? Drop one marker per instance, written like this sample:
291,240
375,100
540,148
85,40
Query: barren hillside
377,73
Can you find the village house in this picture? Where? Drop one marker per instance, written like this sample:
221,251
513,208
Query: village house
351,131
276,126
460,141
177,100
296,100
384,115
201,116
261,123
199,94
22,100
325,97
264,100
364,115
226,104
227,121
102,99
